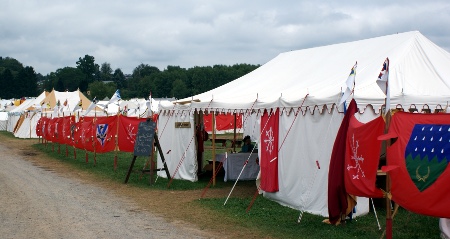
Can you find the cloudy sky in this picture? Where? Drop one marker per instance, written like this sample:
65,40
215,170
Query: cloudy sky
49,35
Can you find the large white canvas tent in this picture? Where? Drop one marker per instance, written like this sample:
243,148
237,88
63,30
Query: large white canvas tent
22,120
312,81
25,117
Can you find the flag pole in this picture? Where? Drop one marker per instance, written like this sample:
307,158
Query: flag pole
388,178
116,149
94,141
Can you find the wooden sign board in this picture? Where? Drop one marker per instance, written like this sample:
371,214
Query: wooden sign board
144,139
143,146
182,124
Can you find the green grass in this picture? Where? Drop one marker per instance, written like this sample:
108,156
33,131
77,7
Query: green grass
266,216
104,168
277,221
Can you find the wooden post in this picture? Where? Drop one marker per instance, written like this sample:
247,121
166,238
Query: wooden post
94,141
130,169
234,136
388,184
152,165
214,146
116,149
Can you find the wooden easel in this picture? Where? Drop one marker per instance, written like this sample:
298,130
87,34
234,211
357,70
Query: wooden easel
143,146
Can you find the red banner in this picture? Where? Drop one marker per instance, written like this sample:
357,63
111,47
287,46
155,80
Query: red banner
128,127
39,127
66,132
418,162
338,205
362,157
269,151
223,121
104,133
58,132
51,128
44,126
87,134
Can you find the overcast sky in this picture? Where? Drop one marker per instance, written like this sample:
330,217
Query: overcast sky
49,35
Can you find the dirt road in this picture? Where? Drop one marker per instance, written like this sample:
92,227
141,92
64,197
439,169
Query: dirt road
38,203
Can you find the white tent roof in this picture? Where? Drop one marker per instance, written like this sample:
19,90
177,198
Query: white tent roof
419,74
32,102
136,107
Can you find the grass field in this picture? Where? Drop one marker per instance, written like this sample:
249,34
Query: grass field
268,217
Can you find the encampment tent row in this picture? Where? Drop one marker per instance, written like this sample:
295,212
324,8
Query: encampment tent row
305,87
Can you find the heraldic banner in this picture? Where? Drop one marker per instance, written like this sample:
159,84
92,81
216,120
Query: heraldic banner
418,162
128,127
362,157
269,151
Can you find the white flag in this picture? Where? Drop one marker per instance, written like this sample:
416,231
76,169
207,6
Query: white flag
114,98
383,82
349,84
91,106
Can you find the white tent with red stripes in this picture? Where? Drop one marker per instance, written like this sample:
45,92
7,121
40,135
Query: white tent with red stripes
306,85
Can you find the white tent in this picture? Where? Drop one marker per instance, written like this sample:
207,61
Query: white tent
3,120
135,107
25,117
314,79
22,120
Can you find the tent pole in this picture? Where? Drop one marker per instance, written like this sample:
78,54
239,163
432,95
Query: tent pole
116,149
94,141
234,136
214,145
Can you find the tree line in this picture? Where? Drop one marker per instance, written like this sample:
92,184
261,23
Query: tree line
101,81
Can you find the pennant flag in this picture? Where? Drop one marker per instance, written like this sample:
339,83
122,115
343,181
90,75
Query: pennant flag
418,160
269,152
114,98
383,82
125,110
339,202
91,106
350,83
362,157
55,111
78,106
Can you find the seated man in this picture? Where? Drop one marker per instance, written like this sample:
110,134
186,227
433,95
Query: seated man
248,146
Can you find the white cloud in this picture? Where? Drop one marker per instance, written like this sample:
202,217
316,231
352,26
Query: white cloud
53,34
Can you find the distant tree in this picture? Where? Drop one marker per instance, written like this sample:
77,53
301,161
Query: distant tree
179,89
70,78
59,85
144,70
106,72
10,63
101,90
146,85
7,82
89,68
119,78
26,82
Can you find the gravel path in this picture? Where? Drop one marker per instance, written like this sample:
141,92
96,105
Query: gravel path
37,203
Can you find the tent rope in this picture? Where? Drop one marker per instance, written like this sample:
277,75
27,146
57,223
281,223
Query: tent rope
246,161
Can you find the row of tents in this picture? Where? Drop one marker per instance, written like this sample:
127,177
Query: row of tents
290,107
